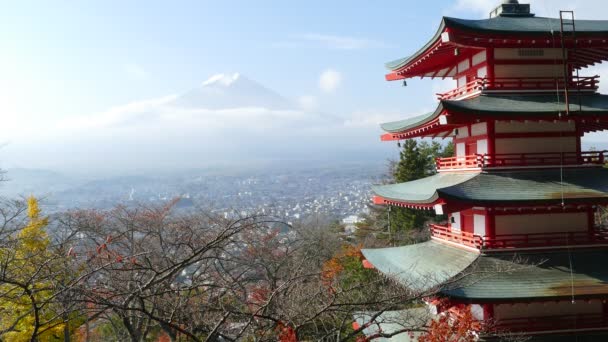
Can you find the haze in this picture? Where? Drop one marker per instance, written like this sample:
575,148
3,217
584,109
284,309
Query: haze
113,87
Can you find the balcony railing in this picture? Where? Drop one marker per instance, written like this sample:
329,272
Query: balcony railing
553,323
533,240
546,239
522,160
521,84
463,238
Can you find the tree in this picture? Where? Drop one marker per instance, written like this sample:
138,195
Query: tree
417,160
29,274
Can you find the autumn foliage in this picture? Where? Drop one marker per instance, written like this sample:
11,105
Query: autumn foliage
349,256
454,326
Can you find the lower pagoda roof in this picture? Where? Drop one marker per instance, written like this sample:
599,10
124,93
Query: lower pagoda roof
582,185
422,266
469,276
503,107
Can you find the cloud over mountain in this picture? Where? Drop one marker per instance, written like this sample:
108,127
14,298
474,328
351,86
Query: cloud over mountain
226,118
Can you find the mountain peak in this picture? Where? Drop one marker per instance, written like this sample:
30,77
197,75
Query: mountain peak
232,90
222,79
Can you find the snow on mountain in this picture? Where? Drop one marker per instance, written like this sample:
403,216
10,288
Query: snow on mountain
226,91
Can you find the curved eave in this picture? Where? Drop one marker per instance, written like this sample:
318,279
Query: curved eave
594,114
422,266
402,62
478,34
421,193
527,187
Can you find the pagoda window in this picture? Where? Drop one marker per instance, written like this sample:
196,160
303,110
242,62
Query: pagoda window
523,145
521,224
479,57
527,54
479,224
546,309
482,146
528,71
528,127
464,65
479,129
482,72
455,221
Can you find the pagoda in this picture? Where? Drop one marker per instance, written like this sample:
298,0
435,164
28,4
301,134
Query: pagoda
521,247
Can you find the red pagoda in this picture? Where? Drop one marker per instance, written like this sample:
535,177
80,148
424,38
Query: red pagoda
519,189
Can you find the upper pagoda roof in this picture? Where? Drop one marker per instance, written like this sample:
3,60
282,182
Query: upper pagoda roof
520,26
512,187
502,107
500,276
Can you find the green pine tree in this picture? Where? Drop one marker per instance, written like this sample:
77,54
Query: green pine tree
416,160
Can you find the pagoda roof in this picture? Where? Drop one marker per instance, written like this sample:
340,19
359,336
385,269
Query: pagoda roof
502,187
468,275
534,275
502,106
501,26
422,266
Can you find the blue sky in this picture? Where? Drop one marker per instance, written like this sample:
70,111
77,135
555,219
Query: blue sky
65,60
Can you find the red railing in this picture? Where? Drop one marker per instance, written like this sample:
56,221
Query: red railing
553,323
472,161
477,85
522,160
533,240
522,83
541,83
464,238
539,159
546,239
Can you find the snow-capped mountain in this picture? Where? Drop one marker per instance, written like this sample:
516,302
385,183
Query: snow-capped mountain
225,91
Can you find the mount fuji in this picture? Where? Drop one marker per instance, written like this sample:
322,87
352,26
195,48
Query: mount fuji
225,91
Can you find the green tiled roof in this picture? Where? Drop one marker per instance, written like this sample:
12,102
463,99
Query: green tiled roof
422,190
526,186
401,125
491,105
526,25
529,105
422,266
507,25
393,321
497,276
535,275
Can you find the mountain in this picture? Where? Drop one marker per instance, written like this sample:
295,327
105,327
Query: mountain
226,91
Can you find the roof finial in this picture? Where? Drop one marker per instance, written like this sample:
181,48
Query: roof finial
511,8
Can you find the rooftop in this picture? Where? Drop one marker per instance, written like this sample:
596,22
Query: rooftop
495,277
587,185
503,107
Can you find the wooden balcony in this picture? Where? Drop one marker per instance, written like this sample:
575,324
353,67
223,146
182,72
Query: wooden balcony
460,237
517,160
513,241
521,84
553,323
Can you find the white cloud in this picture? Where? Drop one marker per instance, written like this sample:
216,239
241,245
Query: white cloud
330,80
136,71
308,102
479,7
340,42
